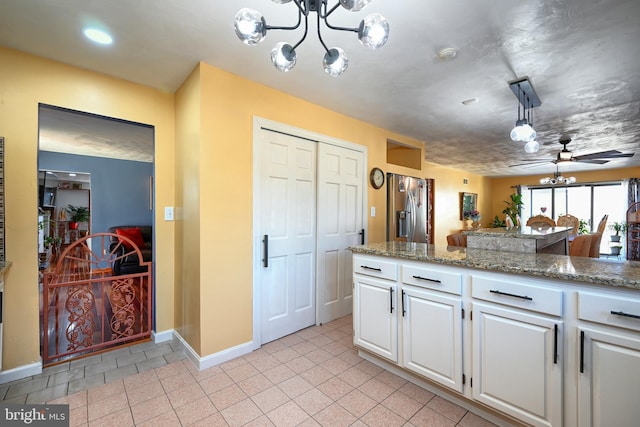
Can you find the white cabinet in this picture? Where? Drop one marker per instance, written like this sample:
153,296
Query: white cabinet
432,335
375,312
609,360
516,350
375,317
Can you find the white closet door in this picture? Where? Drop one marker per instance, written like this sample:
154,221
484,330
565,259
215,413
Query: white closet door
340,223
288,218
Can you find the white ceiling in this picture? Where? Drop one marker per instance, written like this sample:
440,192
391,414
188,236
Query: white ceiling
583,57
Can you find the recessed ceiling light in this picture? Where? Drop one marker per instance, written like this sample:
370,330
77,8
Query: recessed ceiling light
447,54
98,36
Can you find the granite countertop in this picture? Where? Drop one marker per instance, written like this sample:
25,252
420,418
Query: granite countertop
524,232
588,270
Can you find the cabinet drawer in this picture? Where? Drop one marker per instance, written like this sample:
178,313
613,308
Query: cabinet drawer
432,279
609,310
523,295
375,267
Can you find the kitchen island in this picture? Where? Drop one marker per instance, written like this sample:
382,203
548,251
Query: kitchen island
550,240
540,339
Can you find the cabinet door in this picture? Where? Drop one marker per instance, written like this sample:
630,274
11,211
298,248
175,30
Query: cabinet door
432,336
516,364
609,379
375,318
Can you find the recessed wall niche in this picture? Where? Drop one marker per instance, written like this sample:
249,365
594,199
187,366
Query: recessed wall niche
404,155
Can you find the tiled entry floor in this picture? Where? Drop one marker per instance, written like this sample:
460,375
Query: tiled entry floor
311,378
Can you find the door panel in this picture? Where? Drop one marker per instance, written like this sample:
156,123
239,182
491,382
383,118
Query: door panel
340,221
288,217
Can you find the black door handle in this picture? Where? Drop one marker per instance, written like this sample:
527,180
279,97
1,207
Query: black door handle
404,310
555,344
581,352
510,295
361,233
265,251
391,299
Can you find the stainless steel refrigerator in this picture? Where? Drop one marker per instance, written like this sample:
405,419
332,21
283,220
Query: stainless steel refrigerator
407,208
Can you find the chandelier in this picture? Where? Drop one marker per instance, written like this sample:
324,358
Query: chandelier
523,130
558,179
373,32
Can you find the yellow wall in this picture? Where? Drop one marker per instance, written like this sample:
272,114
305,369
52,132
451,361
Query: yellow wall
188,187
25,81
229,106
203,270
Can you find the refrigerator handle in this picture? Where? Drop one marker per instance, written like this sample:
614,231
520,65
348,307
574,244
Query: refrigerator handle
411,230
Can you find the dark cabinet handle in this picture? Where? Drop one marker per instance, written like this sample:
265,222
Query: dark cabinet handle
265,251
391,299
506,294
623,314
361,233
366,267
427,279
555,344
404,311
581,352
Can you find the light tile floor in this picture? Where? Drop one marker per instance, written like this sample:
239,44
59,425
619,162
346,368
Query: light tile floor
310,378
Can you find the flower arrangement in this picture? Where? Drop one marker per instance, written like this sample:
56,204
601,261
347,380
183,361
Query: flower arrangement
472,215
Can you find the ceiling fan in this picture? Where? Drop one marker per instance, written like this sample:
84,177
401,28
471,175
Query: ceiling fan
566,155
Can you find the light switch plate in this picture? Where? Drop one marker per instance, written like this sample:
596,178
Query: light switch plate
373,211
168,213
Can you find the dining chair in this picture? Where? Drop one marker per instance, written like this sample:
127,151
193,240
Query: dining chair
602,224
580,246
594,248
540,221
457,239
569,220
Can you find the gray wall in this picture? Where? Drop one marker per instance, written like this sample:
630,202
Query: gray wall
119,188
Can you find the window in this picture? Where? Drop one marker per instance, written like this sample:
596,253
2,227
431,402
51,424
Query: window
589,202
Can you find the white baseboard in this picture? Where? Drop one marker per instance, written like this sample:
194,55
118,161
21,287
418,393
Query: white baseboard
214,359
163,336
20,372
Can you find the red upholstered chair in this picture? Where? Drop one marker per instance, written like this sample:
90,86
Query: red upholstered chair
580,246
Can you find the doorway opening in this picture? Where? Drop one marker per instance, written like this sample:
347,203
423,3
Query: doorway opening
105,165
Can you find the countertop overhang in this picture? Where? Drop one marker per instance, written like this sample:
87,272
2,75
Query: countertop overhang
582,269
523,232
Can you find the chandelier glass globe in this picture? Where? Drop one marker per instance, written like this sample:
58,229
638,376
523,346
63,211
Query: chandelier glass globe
354,5
531,147
374,31
281,1
283,57
335,62
250,26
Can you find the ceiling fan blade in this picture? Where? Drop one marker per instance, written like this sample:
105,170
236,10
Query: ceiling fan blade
611,154
532,162
593,161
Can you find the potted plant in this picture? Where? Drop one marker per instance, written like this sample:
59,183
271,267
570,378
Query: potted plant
77,214
513,207
615,249
617,227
